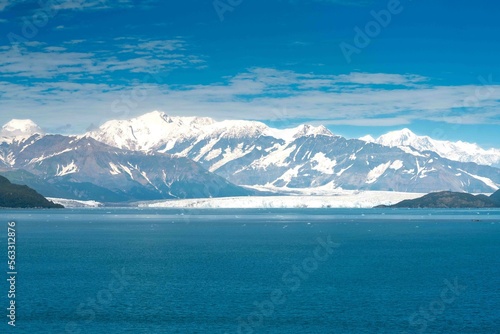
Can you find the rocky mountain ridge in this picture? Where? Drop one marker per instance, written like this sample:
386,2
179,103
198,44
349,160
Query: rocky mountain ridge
156,156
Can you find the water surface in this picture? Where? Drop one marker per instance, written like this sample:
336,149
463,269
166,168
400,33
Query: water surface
255,271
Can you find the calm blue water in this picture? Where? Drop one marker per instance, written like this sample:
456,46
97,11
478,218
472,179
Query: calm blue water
254,271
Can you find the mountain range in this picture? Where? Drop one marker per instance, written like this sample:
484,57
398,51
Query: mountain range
83,168
459,151
156,156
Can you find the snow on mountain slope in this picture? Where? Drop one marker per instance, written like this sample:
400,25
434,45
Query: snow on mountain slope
458,151
252,154
213,144
156,129
310,162
148,131
71,203
158,156
18,129
152,130
367,138
97,171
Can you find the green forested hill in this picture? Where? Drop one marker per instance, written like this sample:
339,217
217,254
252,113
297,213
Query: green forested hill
447,199
496,197
16,196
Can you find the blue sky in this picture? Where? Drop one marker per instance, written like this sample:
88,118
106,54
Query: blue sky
358,67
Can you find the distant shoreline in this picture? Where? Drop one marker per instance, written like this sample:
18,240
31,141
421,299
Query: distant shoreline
347,200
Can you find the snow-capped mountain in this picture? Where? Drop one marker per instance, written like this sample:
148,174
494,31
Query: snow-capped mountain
458,151
353,164
253,154
218,146
158,131
367,138
85,169
156,156
19,129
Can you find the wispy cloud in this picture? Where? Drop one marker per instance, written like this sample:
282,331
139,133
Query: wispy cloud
4,4
261,94
75,41
356,3
380,79
38,60
72,4
391,121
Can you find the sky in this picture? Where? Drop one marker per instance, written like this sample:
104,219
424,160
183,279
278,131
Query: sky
357,67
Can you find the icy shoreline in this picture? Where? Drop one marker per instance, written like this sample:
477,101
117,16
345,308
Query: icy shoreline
73,203
367,199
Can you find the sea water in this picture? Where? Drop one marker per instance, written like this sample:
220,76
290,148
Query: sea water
253,271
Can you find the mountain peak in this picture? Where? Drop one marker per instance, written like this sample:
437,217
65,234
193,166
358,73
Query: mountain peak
367,138
404,137
157,118
403,133
19,129
407,132
309,130
458,151
154,116
19,125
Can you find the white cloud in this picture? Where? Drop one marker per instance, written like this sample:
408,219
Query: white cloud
81,4
380,78
6,3
356,3
260,93
72,4
391,121
37,60
75,41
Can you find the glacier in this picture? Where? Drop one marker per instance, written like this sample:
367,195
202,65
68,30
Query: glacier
364,199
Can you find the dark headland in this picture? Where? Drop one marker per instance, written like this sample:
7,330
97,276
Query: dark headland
17,196
452,200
